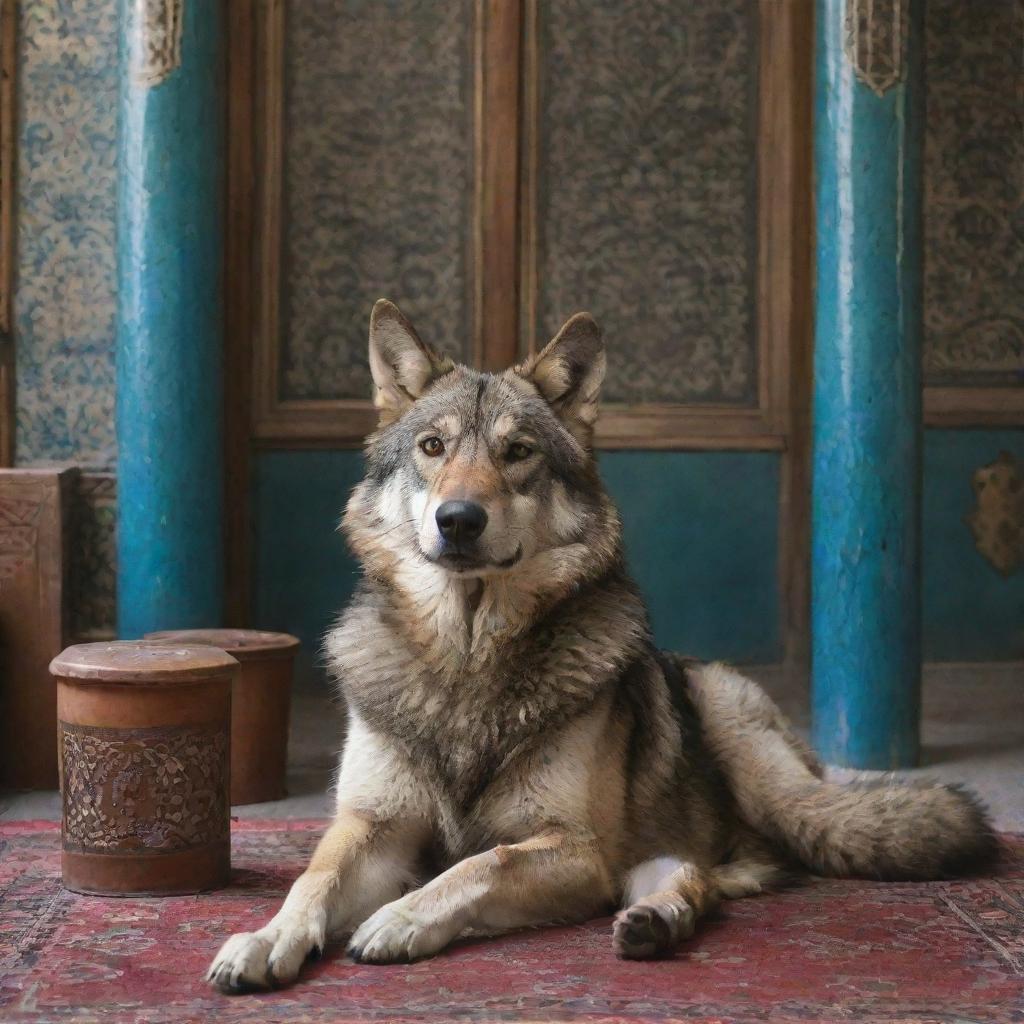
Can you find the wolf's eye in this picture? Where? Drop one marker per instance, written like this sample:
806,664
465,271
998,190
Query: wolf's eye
432,446
518,451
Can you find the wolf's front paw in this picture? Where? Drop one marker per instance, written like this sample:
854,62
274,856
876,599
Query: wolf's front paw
397,933
250,961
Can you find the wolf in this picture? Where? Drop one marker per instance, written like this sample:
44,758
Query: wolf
518,751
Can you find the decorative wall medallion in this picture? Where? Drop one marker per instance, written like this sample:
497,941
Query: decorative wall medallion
152,791
874,35
997,521
158,25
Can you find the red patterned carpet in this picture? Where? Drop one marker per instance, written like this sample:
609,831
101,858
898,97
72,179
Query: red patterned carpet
830,951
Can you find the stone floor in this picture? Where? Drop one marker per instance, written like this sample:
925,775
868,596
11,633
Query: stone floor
973,733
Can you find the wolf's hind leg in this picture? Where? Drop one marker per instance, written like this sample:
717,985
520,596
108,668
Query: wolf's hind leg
665,897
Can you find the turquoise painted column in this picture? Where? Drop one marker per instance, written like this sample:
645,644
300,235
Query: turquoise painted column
866,563
169,405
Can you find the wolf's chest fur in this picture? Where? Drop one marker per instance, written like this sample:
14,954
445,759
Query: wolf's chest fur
465,717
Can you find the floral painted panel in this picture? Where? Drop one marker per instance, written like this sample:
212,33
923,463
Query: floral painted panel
378,182
974,193
64,299
646,179
144,791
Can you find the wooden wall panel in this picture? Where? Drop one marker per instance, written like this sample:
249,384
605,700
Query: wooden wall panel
35,510
366,183
659,191
974,213
646,201
378,183
974,193
641,172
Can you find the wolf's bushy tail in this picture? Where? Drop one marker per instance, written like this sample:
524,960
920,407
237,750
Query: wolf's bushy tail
884,829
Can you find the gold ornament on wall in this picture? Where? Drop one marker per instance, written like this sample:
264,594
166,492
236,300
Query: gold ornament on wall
874,41
997,521
157,52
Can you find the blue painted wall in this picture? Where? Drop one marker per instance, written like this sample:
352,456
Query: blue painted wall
971,612
700,533
302,572
701,536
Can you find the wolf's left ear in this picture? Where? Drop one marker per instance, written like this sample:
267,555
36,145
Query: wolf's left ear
400,363
568,372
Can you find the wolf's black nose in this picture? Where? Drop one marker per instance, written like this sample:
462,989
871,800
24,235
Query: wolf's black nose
460,520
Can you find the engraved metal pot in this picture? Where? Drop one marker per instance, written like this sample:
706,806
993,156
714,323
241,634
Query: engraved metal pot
260,706
144,747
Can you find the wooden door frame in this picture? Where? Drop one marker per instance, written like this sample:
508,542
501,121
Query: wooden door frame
506,95
710,426
239,280
505,116
344,423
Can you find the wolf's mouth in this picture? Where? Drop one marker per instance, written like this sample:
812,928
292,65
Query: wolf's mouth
458,561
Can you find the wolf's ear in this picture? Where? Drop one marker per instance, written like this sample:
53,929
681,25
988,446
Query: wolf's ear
401,365
568,372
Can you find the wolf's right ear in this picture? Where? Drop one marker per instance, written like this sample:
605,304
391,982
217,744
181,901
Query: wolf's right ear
400,363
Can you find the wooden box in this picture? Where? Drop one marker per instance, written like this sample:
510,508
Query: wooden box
34,521
145,735
260,706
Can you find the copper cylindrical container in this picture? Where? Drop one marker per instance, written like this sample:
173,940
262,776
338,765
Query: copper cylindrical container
259,708
144,733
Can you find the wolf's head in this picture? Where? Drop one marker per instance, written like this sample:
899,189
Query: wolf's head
479,475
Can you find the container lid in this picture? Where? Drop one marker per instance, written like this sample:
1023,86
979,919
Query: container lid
243,644
143,663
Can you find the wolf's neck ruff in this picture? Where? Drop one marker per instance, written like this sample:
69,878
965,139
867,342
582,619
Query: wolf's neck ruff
462,622
468,714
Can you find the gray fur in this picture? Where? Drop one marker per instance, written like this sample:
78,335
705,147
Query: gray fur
512,725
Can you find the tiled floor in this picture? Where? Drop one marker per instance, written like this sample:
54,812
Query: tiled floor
973,733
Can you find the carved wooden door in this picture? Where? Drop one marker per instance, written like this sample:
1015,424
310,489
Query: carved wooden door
495,165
